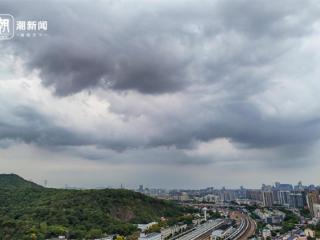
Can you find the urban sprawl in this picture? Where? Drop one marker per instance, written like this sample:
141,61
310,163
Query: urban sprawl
279,211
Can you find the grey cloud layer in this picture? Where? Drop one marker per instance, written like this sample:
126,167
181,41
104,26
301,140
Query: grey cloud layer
26,124
158,47
232,49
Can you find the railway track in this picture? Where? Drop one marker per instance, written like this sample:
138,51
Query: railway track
247,228
202,232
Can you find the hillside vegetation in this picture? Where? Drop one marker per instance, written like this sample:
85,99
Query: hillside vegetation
29,211
12,181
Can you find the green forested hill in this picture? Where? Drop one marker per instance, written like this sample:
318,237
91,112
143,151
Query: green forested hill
15,181
38,212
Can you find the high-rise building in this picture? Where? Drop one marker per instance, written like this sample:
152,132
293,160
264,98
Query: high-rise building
242,193
205,213
283,187
275,196
312,198
299,187
254,195
267,198
265,187
316,210
283,197
297,199
228,195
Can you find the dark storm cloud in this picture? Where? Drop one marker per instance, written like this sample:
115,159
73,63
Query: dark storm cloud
27,125
243,123
155,48
229,48
90,47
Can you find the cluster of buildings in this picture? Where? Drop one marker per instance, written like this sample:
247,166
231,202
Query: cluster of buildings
150,236
176,194
270,216
297,197
298,234
281,194
174,230
164,233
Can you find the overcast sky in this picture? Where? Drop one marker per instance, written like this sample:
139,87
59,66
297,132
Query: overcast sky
163,93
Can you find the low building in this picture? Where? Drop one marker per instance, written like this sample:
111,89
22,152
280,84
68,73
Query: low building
144,227
309,233
171,231
266,233
151,236
273,227
270,217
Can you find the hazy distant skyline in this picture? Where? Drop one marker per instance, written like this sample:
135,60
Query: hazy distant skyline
172,94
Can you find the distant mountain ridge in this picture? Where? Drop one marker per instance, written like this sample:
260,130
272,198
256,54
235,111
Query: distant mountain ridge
15,181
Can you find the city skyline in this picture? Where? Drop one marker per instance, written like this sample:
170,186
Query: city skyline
175,94
273,184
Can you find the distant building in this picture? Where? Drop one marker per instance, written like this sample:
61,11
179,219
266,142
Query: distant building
299,187
267,198
297,199
171,231
265,187
275,196
270,216
283,187
255,195
184,197
228,195
205,213
266,233
283,197
209,198
144,227
312,198
316,210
